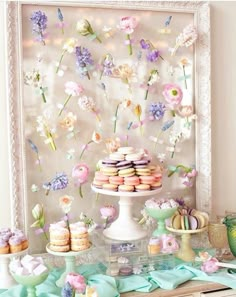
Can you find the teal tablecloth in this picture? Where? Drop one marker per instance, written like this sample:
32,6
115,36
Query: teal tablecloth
108,286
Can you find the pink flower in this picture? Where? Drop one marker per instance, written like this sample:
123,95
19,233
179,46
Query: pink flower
80,173
127,24
108,211
185,111
169,243
77,281
210,266
173,95
72,89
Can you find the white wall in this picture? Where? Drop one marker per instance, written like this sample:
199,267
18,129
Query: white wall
5,219
223,105
223,113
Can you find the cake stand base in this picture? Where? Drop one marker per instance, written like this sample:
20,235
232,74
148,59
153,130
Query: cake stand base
70,262
186,253
70,267
6,279
125,228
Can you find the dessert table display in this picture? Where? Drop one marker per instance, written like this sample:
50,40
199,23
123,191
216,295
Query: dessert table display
108,286
6,279
125,228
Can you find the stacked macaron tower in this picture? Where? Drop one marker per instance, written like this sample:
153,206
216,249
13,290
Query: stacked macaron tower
127,170
64,239
189,219
12,241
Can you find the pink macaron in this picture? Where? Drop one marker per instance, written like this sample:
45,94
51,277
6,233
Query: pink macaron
147,179
116,180
132,180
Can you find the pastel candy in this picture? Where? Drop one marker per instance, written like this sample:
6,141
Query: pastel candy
40,269
26,259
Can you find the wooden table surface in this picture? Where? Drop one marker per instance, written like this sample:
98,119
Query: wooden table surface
186,288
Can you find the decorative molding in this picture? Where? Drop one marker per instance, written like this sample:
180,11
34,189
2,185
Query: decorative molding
14,117
203,95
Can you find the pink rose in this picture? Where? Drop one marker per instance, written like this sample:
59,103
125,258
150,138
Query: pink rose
169,243
173,95
77,281
210,265
127,24
108,211
80,172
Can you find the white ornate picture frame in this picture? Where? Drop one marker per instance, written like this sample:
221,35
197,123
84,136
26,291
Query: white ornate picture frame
200,12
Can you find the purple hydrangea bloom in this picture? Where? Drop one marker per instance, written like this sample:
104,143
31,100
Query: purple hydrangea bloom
59,182
153,55
144,44
157,110
83,59
67,290
39,23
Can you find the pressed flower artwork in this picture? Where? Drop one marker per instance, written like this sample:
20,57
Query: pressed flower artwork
105,79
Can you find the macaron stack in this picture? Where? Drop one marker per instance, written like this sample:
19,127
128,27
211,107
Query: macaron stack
127,170
189,219
64,239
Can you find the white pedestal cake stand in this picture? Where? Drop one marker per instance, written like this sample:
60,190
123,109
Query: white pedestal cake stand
6,279
69,261
125,227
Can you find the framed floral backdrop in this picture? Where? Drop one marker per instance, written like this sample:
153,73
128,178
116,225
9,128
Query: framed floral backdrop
86,78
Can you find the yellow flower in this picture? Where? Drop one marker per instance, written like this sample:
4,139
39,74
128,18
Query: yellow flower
126,103
65,203
112,145
69,45
69,121
96,137
184,62
138,111
124,72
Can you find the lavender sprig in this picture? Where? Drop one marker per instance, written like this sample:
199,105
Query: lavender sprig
61,19
83,60
59,182
39,25
35,149
107,65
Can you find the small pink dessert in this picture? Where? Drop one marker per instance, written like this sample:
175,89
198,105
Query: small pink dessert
147,179
132,180
116,180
